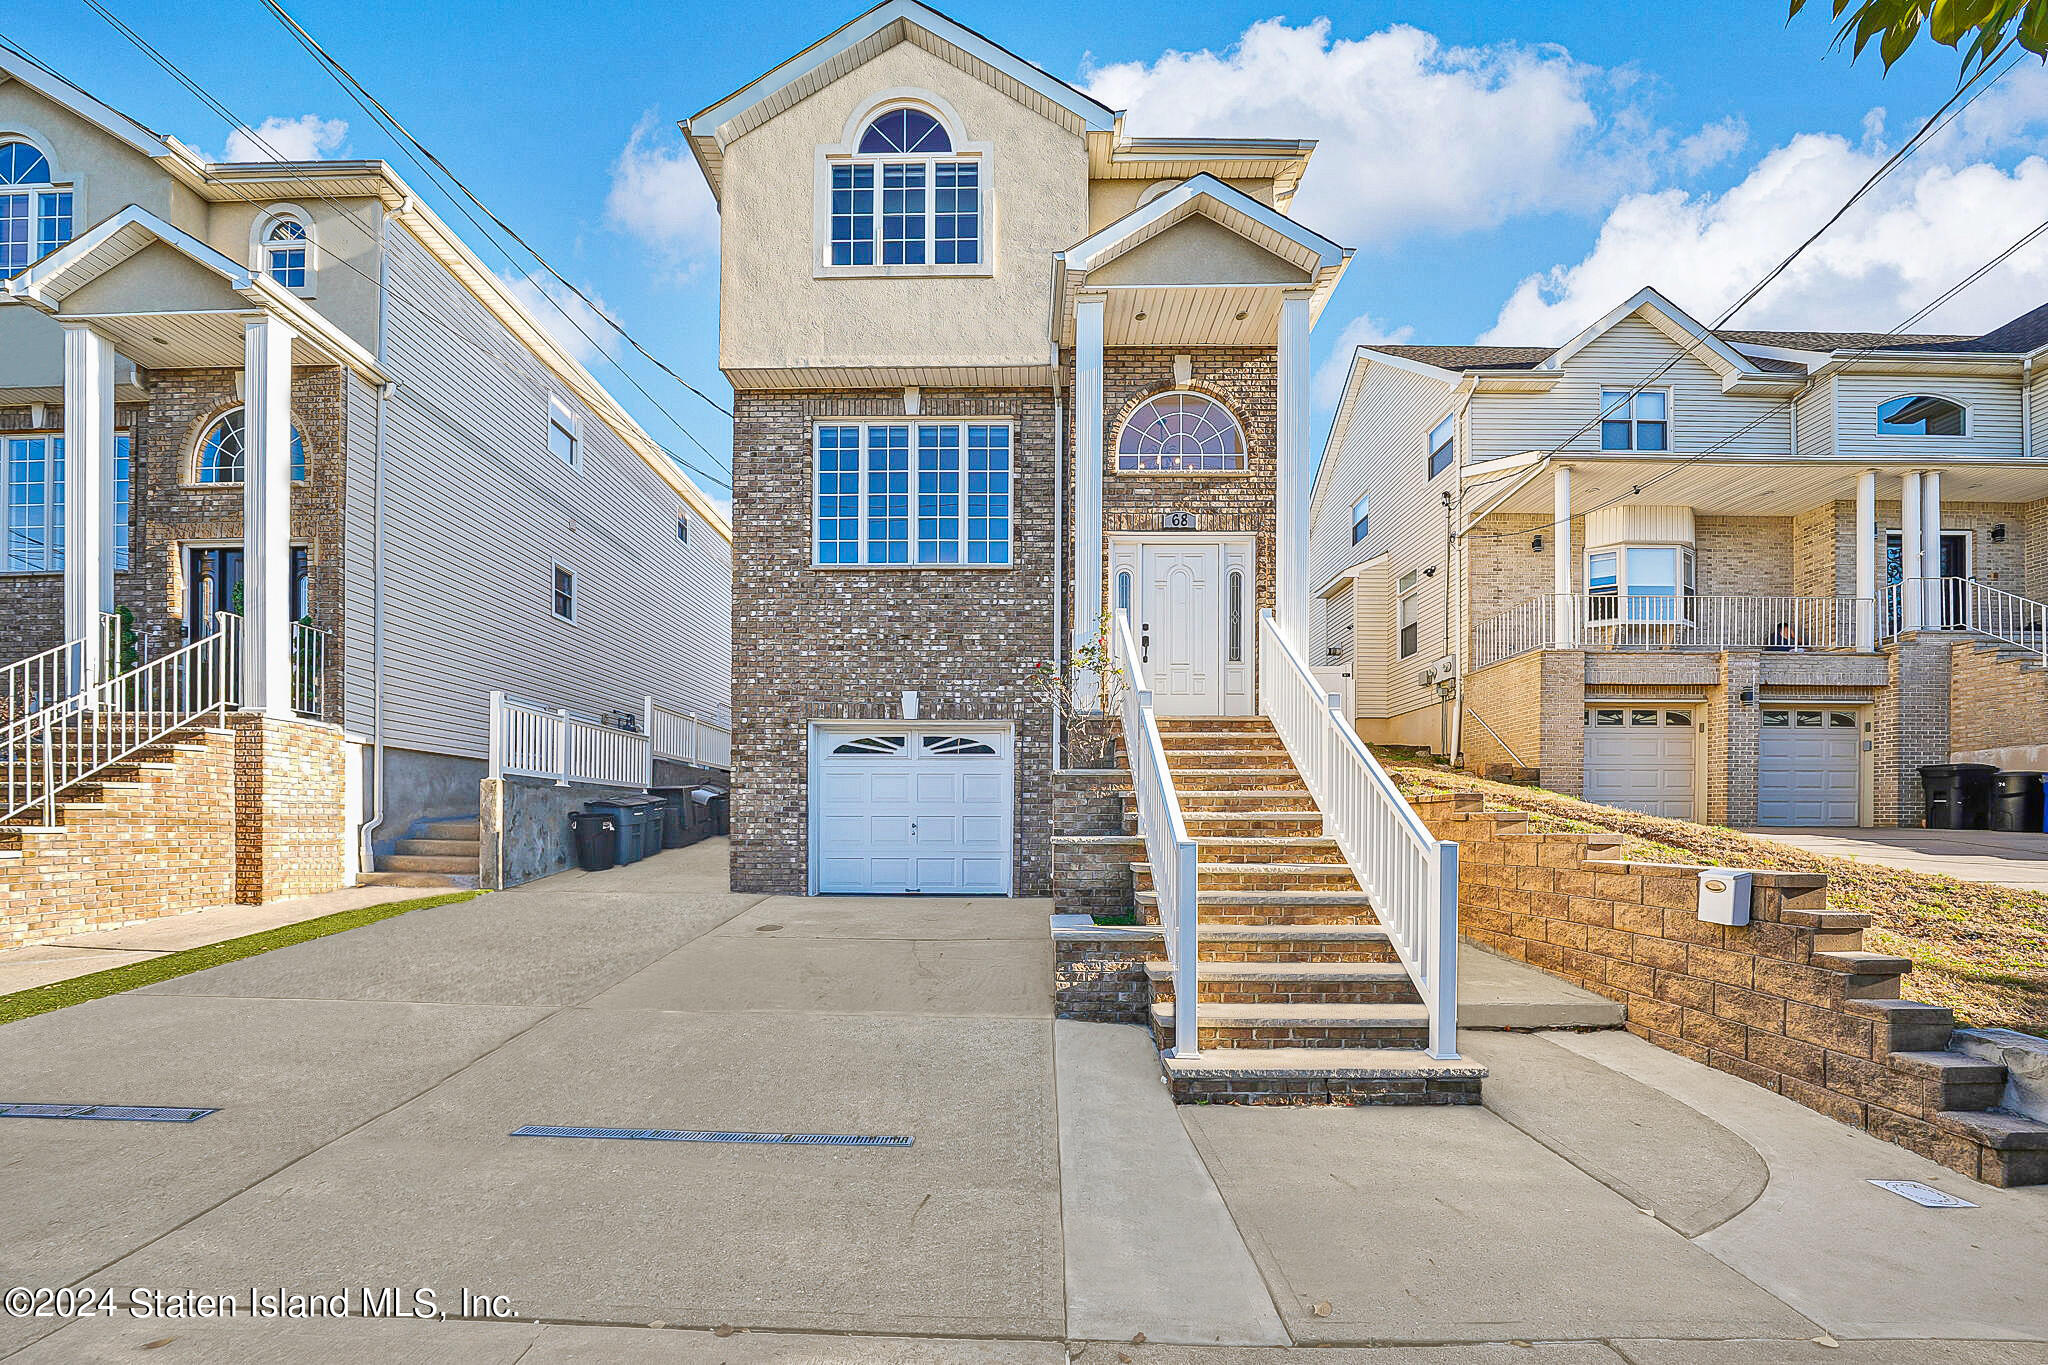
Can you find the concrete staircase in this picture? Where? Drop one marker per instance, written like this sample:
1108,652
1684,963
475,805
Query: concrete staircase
433,853
1302,998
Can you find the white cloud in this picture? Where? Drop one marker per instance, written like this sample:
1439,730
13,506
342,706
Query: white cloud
540,293
1713,144
1925,227
1327,385
1414,135
305,138
659,196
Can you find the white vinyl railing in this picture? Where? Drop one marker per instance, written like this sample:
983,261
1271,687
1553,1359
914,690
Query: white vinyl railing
1169,850
56,674
1966,604
309,670
60,746
1411,875
564,746
1610,623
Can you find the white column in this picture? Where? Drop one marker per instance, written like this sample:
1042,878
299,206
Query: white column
1290,560
266,516
1931,614
1565,636
1088,324
1910,595
1866,560
88,489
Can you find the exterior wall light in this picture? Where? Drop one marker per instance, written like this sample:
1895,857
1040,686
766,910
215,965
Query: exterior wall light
1998,533
1536,544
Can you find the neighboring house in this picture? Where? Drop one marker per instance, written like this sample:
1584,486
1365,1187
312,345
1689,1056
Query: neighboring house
447,503
1723,576
999,365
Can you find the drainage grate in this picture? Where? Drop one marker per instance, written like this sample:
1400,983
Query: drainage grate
123,1113
690,1135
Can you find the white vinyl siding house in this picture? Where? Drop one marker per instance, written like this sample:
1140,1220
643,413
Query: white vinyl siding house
467,615
1813,418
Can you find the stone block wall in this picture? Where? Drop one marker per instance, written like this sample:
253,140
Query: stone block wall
1766,1001
1099,971
291,827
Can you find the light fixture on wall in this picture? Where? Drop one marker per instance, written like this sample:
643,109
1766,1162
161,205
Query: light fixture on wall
1998,533
1536,543
1749,696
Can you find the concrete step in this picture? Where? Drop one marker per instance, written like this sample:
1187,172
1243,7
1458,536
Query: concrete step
1316,908
470,830
2012,1149
1955,1080
1304,1026
449,848
411,862
1212,876
1872,976
443,880
1320,1075
1291,983
1228,942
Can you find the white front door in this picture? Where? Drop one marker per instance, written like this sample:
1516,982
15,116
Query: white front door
900,808
1641,758
1809,767
1190,607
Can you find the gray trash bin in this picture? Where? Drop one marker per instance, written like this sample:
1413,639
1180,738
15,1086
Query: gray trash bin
637,815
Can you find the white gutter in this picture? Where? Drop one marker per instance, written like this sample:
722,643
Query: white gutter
2027,408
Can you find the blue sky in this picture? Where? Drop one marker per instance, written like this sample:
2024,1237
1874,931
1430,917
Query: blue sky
1506,171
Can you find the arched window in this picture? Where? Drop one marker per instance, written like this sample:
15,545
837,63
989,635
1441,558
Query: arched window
1920,414
223,451
285,248
1123,590
35,211
1180,432
905,196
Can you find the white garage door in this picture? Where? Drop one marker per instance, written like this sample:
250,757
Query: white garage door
1640,758
1809,767
900,808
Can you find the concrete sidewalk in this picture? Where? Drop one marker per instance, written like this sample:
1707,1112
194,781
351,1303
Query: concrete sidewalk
2019,861
1610,1203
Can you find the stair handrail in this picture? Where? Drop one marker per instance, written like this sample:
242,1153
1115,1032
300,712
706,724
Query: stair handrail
1410,874
54,675
59,747
1168,848
1968,604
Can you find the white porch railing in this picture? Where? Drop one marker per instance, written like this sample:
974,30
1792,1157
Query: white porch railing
1411,875
60,746
563,746
686,737
1169,850
309,670
56,674
1966,604
1609,623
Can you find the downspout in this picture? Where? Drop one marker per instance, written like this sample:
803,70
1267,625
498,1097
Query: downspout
1059,546
367,855
2027,408
1455,557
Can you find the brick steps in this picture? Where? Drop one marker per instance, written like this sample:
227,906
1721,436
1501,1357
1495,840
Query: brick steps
1236,778
1314,1075
1296,943
1266,741
1207,826
1317,909
1320,1026
1291,983
1221,876
1246,800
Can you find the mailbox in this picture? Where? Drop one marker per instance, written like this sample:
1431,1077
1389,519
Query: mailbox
1724,895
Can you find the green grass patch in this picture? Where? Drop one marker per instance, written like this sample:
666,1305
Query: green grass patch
79,989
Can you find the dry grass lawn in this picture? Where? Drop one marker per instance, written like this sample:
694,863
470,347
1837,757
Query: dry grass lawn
1981,950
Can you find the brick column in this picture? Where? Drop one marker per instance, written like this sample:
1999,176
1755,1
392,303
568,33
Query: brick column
1734,735
1911,728
291,816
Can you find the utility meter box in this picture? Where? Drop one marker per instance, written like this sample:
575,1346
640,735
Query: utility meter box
1724,895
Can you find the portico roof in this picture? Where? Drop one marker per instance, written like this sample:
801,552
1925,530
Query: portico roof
193,316
1734,485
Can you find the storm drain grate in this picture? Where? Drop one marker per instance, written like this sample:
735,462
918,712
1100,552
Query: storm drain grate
121,1113
691,1135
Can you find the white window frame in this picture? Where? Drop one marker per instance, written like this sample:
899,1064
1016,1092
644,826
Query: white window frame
195,463
1360,525
260,246
556,570
1684,593
1243,454
58,185
862,492
1408,615
846,152
563,418
1877,423
53,503
1628,401
1449,445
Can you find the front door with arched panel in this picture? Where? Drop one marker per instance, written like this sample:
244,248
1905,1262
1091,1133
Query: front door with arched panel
1191,608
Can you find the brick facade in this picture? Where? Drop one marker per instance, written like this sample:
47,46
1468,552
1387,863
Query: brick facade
290,808
1996,700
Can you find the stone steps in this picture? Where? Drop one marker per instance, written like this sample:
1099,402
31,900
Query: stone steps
1247,801
1245,724
1177,741
1236,778
1316,1075
1284,983
1296,943
1271,849
1210,826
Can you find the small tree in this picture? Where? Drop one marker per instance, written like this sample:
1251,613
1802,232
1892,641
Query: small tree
1087,691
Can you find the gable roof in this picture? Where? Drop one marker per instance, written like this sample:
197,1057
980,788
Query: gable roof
1221,202
1471,357
860,40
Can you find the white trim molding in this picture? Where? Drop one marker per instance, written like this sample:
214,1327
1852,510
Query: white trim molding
260,246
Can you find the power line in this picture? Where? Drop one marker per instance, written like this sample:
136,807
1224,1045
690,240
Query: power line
371,105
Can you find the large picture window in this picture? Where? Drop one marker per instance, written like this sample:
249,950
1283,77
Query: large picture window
913,493
35,504
35,212
905,197
1634,584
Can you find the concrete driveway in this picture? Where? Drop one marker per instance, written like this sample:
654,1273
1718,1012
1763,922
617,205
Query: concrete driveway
1611,1203
1969,855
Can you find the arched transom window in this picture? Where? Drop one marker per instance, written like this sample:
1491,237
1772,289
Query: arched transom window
1180,432
35,211
284,247
223,451
1920,414
906,196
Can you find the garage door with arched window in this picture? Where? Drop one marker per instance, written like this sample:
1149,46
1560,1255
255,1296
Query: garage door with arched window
1809,766
899,809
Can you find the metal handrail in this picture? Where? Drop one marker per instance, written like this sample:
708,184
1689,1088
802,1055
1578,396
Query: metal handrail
1171,853
309,670
1642,622
1965,604
1410,874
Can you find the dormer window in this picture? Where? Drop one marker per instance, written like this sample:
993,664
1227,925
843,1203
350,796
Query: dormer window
1920,414
905,194
282,246
35,211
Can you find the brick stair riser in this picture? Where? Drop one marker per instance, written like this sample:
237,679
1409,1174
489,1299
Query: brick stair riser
1192,780
1250,724
1303,877
1227,850
1336,1036
1245,827
1299,915
1295,950
1401,992
1334,1090
1248,804
1179,743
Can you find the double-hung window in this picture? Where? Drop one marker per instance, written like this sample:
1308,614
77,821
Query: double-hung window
913,493
564,439
35,504
1408,618
35,212
1359,520
1443,444
1634,421
905,197
1640,584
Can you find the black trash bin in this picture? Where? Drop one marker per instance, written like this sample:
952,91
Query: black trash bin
638,828
712,810
597,839
1958,794
2016,802
674,823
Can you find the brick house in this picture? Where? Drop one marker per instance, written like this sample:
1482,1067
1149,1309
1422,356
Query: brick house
1753,578
999,366
287,395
